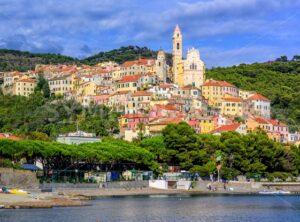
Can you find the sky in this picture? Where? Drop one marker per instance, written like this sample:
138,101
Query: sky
227,32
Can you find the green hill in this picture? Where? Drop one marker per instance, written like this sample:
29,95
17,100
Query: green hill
279,81
123,54
11,60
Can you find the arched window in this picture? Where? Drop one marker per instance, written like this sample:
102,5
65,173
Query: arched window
178,45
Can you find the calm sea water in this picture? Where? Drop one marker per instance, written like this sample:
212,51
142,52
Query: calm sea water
169,209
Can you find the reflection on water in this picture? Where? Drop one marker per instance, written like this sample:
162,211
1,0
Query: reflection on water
164,208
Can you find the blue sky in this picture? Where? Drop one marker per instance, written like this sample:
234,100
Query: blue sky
226,32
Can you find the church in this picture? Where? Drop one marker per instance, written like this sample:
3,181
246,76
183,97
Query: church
189,71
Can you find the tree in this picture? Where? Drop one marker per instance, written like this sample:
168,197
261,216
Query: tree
42,86
296,58
282,59
141,130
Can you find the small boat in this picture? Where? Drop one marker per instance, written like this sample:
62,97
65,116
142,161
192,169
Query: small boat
274,192
17,191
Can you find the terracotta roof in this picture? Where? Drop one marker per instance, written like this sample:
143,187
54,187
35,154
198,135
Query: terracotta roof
276,122
60,77
133,78
138,62
168,121
102,71
218,83
142,93
136,115
189,87
258,97
232,99
165,86
231,127
167,107
261,120
26,80
8,136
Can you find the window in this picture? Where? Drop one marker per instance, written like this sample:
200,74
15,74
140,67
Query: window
178,46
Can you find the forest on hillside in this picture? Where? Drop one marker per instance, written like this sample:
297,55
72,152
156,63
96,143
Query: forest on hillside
37,117
11,60
279,81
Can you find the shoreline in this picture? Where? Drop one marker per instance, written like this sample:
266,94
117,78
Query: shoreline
82,197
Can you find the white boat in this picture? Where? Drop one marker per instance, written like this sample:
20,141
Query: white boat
274,192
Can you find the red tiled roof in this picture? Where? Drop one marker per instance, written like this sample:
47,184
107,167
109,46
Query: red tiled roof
102,71
218,83
26,80
261,120
167,107
231,127
7,136
232,99
138,62
165,86
142,93
133,78
276,122
136,115
258,97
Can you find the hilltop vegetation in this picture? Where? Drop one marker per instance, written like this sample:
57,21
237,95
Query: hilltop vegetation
279,81
11,60
123,54
37,117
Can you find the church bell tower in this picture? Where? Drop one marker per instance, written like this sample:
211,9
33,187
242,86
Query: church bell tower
177,52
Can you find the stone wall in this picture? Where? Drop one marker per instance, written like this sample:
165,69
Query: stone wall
18,178
109,185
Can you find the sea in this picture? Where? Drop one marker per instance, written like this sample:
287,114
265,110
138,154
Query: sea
165,208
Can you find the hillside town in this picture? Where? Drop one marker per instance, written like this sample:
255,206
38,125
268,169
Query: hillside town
150,94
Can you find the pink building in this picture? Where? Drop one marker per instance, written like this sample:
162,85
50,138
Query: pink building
159,111
132,120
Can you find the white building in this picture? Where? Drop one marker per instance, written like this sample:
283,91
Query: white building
259,105
77,138
193,69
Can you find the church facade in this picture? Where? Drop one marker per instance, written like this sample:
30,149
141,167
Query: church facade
189,71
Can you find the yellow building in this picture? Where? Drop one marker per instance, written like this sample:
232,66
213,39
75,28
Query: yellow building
180,74
24,87
129,83
139,102
206,124
246,94
231,106
190,71
61,85
215,91
87,89
140,66
256,123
